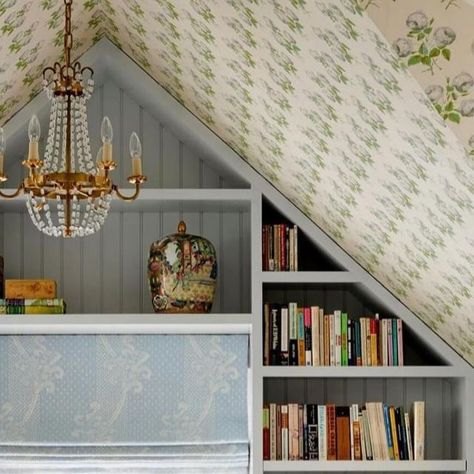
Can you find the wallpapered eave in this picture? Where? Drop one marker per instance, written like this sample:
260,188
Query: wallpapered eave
337,123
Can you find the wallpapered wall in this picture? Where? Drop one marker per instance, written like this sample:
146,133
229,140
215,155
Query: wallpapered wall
435,39
311,95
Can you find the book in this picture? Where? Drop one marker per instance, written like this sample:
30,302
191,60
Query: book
357,441
305,433
307,336
293,344
344,344
32,306
388,432
337,338
418,431
395,341
393,428
331,432
400,436
322,432
373,342
300,432
332,340
343,448
293,431
279,247
273,432
400,341
312,432
284,432
409,437
266,334
30,289
315,340
301,337
275,339
278,432
284,355
266,433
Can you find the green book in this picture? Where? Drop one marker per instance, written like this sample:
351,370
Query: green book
344,349
394,341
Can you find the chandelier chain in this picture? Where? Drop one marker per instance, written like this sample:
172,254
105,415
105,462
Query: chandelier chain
67,33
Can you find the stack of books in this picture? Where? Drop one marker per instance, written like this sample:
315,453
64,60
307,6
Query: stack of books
280,248
375,431
308,336
31,297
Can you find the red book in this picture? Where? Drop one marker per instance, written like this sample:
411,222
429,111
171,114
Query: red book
331,432
283,247
266,433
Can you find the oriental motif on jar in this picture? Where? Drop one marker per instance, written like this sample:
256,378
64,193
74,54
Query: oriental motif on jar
182,272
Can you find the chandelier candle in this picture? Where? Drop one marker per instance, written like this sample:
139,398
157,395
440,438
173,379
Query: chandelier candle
68,194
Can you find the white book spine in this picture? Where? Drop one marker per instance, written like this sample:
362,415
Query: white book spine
419,430
351,429
322,429
362,438
315,335
284,330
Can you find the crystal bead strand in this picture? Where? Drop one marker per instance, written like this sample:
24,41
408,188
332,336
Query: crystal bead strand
48,154
88,160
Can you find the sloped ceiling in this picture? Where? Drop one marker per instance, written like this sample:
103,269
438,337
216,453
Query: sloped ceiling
311,95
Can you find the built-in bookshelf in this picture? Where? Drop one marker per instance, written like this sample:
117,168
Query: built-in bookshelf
195,177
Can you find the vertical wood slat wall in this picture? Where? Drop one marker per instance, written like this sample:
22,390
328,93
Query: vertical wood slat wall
106,272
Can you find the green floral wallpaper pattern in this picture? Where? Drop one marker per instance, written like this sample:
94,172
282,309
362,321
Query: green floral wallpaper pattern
435,39
313,97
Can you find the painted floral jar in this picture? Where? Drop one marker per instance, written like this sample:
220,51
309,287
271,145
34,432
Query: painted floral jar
182,272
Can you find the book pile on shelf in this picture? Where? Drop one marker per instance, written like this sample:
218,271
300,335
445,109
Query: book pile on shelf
280,248
307,336
375,431
31,297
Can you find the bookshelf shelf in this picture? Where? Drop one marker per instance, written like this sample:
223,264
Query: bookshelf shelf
310,277
363,372
365,466
126,324
165,199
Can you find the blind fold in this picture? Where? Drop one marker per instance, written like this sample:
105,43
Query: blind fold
116,403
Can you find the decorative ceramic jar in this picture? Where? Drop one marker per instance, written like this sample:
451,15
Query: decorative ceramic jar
182,272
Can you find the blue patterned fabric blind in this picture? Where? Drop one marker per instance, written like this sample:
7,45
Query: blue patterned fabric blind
119,403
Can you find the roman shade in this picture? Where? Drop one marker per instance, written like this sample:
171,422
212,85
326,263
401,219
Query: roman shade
123,403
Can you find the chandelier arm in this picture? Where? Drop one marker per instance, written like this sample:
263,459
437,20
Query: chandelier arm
127,198
14,194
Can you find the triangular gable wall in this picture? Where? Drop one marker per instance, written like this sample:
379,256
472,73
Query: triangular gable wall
141,88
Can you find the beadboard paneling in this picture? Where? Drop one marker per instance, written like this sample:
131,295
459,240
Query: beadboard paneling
436,392
106,272
167,161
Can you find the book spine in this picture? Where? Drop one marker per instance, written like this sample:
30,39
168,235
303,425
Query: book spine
295,231
301,351
284,351
315,336
337,335
327,358
266,433
419,431
350,339
388,432
293,431
300,432
389,342
278,432
283,246
273,430
373,342
343,448
321,336
305,433
400,341
368,343
403,435
395,342
271,252
322,432
331,432
358,346
275,351
312,432
291,246
266,333
284,432
332,340
409,437
401,446
264,248
393,427
362,334
293,348
307,336
344,346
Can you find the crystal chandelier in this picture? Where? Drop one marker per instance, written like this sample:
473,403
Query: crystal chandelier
68,194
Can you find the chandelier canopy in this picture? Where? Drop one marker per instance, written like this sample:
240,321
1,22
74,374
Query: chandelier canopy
68,193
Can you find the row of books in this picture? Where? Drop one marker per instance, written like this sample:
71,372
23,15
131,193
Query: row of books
280,248
32,306
375,431
306,336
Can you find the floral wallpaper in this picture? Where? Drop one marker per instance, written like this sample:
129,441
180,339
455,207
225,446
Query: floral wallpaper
435,39
312,95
